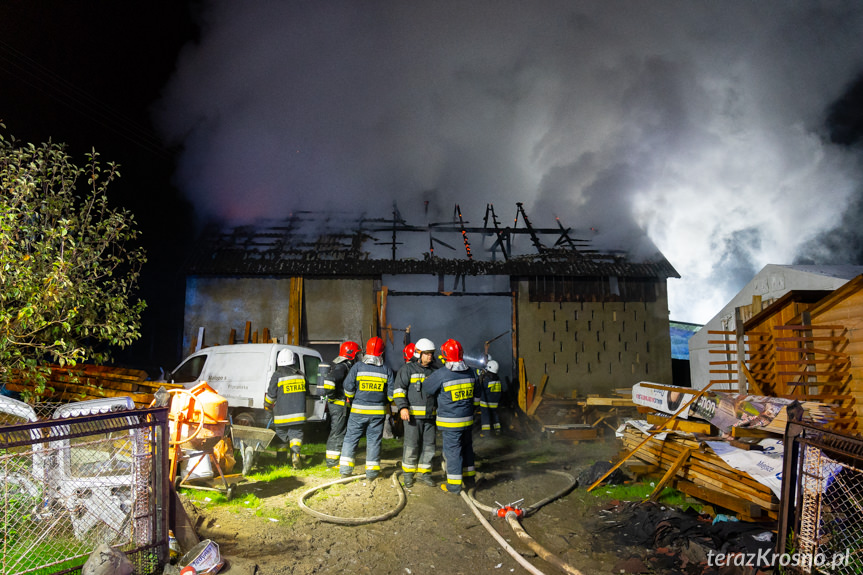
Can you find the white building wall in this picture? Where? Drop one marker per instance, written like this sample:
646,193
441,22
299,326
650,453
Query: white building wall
772,282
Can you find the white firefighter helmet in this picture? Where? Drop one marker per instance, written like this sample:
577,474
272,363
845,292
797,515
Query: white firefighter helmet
424,345
285,357
492,366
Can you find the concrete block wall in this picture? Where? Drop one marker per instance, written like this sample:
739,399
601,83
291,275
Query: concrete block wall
593,347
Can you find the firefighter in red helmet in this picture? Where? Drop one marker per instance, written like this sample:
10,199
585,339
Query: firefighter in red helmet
337,404
409,351
453,386
368,385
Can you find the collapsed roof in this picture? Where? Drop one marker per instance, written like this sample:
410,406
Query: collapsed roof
346,244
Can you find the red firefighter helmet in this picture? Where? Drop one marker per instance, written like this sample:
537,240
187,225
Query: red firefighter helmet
409,351
452,351
349,349
375,347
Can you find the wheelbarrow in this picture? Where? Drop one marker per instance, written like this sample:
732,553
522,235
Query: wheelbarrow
250,440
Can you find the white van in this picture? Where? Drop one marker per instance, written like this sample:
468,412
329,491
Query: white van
241,373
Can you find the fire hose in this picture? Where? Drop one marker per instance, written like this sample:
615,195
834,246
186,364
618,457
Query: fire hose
354,520
512,513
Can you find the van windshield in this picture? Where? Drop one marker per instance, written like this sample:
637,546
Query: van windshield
190,371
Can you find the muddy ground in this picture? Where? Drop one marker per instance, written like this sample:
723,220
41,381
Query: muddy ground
436,532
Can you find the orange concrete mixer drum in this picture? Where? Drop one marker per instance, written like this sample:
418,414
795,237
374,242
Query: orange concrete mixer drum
201,415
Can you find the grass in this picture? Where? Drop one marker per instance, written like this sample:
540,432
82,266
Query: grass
641,491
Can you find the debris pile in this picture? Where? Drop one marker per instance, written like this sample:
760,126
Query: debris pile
687,542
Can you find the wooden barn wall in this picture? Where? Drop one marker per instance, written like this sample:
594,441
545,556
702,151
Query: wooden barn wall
338,309
333,309
220,304
593,347
849,313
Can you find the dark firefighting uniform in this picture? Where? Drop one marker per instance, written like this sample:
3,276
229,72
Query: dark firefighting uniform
367,386
419,436
338,407
454,393
286,395
488,396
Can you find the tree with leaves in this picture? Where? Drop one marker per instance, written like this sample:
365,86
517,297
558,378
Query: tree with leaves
69,263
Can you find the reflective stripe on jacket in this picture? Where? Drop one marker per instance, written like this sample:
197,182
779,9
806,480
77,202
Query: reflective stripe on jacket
286,394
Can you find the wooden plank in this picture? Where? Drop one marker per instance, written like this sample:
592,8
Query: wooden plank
683,425
808,327
232,337
751,432
522,386
812,350
534,405
672,471
610,401
541,387
247,332
711,496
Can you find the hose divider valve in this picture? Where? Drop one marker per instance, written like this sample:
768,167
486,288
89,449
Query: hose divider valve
504,509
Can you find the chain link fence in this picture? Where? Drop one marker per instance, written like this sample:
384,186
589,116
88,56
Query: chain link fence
824,485
95,473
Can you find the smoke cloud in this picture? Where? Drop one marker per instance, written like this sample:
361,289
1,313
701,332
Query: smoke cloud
701,125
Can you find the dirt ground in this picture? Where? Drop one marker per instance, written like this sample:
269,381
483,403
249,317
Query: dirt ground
436,532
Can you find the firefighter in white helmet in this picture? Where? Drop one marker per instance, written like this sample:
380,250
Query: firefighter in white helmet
286,396
488,397
416,409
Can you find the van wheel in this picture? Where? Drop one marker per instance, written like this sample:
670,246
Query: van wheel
245,418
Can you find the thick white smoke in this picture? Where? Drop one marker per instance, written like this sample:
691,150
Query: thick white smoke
701,124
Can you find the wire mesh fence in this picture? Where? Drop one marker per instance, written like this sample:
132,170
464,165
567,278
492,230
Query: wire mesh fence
93,474
825,535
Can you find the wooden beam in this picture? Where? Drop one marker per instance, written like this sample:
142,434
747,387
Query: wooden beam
672,471
702,427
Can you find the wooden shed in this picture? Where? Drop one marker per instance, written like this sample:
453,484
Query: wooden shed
806,345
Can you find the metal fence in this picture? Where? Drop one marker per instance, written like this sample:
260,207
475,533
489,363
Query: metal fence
821,521
94,474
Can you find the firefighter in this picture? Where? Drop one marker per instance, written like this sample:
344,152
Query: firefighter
337,404
416,410
368,386
489,388
286,397
453,387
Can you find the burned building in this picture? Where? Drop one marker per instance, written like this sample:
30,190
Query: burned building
590,320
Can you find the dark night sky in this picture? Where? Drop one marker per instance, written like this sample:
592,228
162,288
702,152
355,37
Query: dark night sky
729,133
87,74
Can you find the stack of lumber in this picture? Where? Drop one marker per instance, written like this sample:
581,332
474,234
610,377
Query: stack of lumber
700,473
81,383
813,411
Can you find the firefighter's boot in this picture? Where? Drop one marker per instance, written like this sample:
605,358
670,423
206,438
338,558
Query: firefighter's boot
281,457
426,479
409,480
295,461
